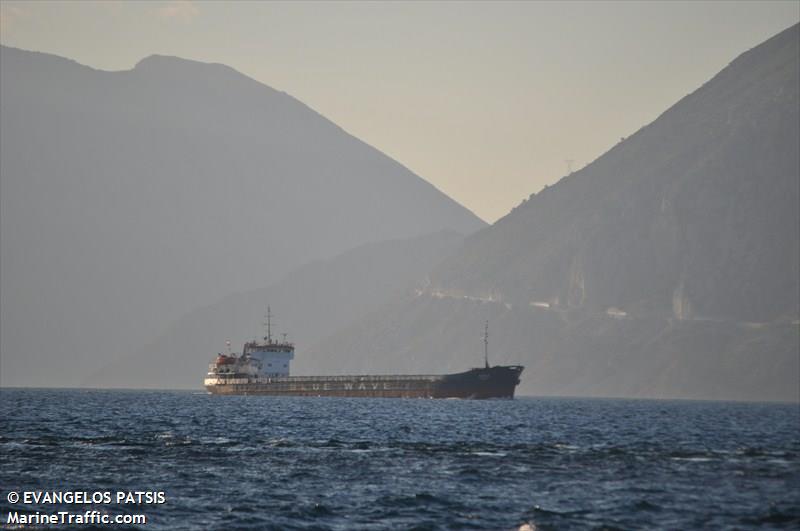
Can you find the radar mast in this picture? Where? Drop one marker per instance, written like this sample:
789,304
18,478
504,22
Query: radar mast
268,324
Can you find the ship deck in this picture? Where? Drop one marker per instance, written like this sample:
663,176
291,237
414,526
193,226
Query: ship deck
325,379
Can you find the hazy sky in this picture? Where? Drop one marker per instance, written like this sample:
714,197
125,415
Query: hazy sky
484,100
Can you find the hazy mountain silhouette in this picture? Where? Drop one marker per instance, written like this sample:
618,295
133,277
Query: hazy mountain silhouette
310,303
130,198
695,214
667,267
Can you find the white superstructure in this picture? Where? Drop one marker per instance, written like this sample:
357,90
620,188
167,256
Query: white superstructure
275,356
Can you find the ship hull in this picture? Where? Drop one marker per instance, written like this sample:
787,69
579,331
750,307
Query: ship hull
491,382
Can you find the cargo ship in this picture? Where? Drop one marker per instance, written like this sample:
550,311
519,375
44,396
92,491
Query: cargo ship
263,368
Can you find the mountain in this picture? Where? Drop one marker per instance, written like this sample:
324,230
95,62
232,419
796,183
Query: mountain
130,198
310,303
696,213
668,267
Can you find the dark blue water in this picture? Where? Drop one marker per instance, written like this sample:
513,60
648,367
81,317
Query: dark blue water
327,463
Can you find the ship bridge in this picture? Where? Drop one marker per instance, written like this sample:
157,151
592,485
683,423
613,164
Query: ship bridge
275,356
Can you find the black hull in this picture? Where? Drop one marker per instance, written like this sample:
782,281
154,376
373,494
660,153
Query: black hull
491,382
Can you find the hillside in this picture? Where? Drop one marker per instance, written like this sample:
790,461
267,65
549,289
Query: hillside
695,215
308,304
668,267
130,198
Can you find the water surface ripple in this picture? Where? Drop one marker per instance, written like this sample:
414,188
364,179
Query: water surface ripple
348,464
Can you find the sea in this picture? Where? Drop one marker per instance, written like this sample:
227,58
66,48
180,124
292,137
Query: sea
286,463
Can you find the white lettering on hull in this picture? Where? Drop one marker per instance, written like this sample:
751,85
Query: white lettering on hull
339,388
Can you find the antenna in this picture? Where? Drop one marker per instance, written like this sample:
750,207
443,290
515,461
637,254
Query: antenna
228,345
284,337
269,325
486,344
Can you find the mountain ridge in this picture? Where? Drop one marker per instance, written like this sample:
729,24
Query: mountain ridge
561,205
309,303
135,196
667,268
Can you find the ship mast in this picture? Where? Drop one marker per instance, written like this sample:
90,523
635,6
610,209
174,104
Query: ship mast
268,324
486,344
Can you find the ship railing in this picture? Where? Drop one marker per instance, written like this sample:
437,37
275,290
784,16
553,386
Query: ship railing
351,378
236,379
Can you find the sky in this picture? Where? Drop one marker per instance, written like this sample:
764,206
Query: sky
489,101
